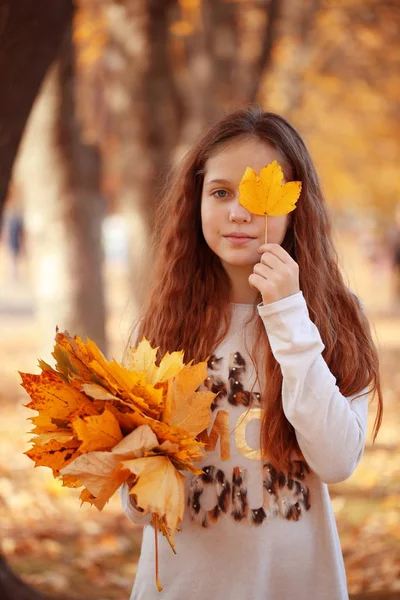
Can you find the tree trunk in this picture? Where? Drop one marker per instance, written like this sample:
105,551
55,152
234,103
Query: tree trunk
59,179
13,588
227,57
299,24
258,39
164,117
30,34
128,54
143,139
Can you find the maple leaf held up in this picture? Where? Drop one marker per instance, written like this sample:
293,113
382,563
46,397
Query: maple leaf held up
265,194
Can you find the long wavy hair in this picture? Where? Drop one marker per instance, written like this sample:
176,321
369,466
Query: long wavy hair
189,291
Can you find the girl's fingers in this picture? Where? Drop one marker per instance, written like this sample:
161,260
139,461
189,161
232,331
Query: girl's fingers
271,261
277,251
258,282
263,270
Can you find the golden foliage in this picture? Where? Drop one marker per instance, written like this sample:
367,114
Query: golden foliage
101,424
265,194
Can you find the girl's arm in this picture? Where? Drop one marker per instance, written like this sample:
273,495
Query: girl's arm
128,506
330,428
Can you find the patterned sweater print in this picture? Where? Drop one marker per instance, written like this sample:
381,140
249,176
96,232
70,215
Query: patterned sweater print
249,531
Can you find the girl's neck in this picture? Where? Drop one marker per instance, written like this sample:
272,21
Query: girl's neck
241,292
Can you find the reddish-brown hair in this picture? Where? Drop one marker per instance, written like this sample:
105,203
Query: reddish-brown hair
189,291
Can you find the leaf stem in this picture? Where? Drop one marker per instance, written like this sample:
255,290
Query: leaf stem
155,525
164,531
266,230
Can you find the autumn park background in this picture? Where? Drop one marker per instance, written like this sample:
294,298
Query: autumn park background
121,89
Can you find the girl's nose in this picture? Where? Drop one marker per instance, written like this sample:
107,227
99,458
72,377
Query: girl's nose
239,214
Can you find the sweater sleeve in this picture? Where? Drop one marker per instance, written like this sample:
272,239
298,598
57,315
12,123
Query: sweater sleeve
330,428
133,514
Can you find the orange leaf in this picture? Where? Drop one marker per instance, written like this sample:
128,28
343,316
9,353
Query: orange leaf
53,396
99,432
54,454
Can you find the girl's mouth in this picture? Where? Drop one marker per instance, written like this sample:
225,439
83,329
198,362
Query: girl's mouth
238,240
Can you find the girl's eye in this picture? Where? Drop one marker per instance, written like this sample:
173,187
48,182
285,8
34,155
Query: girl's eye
220,193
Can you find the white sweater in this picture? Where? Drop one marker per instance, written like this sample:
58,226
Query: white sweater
250,532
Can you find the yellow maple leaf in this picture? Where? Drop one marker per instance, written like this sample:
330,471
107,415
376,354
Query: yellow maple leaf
143,360
170,365
159,488
265,194
185,407
118,477
99,432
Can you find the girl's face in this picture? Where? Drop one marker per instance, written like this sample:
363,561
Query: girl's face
221,213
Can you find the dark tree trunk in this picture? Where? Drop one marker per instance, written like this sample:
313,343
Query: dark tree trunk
34,30
13,588
59,177
30,34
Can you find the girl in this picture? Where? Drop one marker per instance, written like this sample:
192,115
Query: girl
293,362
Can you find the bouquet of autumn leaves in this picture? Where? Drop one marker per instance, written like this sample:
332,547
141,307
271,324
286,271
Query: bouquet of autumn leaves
101,424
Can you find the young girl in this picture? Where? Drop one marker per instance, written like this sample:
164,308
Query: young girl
292,360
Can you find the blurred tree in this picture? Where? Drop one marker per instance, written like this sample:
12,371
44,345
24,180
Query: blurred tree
132,53
336,76
297,46
59,178
172,68
27,29
227,49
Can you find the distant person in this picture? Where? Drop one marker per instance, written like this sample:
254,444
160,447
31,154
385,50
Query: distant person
394,245
289,348
14,232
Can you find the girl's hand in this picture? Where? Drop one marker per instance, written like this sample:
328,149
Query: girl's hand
276,276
